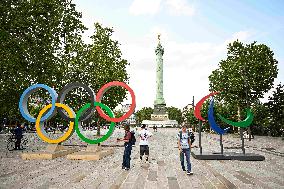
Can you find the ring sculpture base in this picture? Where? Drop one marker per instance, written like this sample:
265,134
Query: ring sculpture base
52,151
227,156
93,152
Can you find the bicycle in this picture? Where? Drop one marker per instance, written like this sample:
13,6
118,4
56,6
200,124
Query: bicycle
12,140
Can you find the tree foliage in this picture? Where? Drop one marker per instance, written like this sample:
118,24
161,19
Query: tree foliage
189,117
143,114
106,65
175,114
96,64
33,35
246,74
41,42
261,120
276,111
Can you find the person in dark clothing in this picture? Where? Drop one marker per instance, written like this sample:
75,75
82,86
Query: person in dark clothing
18,135
156,128
127,148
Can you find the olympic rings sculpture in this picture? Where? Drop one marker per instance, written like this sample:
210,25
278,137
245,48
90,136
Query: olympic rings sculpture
83,114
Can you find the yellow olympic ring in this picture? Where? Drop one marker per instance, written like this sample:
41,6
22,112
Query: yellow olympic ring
66,135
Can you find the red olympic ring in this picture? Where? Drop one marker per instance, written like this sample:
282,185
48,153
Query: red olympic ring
104,89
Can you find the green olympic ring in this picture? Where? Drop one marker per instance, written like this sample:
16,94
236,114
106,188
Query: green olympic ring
243,124
103,138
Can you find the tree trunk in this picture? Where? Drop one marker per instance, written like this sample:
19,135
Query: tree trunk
98,128
241,130
249,131
239,116
239,113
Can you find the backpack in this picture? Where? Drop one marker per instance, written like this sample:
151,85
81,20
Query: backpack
132,140
190,134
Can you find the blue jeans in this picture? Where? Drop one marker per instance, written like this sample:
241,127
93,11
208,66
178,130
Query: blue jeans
185,152
126,155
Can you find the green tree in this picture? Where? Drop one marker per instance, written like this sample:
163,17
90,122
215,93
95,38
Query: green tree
175,114
276,111
41,42
248,69
33,35
118,113
144,114
246,74
261,120
189,117
227,110
105,64
96,64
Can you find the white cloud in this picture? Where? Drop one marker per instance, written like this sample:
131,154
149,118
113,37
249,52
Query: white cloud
241,36
152,7
180,7
142,7
186,66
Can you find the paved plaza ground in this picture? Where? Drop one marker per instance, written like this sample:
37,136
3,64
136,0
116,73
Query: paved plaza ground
164,170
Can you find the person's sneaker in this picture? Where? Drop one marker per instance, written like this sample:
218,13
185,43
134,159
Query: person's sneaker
183,169
126,169
123,167
189,173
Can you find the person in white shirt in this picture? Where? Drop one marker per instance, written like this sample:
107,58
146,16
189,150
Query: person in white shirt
184,146
144,135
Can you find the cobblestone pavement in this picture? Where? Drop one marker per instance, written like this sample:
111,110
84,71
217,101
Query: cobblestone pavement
163,171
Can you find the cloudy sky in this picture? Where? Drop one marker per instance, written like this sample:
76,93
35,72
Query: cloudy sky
194,35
